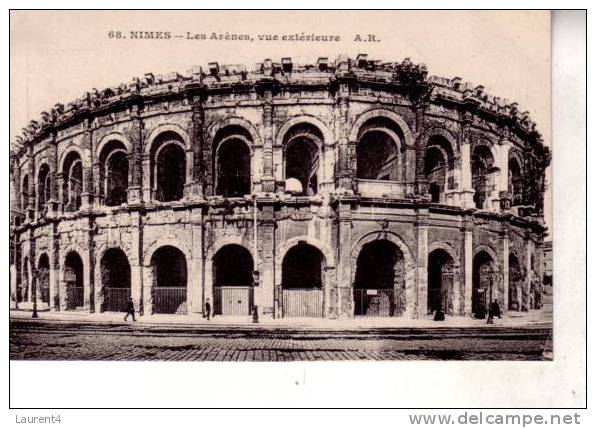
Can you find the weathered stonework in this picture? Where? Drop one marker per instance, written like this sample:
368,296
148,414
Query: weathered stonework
449,177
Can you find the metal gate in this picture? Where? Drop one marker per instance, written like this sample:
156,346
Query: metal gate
438,297
302,303
379,302
115,299
169,300
75,298
235,301
479,301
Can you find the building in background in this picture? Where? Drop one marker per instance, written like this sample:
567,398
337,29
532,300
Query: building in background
336,189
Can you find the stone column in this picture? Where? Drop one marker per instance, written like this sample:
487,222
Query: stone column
527,285
135,171
268,181
503,199
421,182
54,256
421,228
32,188
197,190
504,238
345,294
52,203
147,185
468,260
136,261
87,161
196,283
467,192
267,294
344,174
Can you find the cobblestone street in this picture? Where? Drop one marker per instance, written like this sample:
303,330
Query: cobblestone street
47,340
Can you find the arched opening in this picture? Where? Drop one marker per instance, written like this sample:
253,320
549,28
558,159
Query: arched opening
73,280
115,280
43,278
302,158
438,163
440,282
25,193
516,184
43,189
482,176
379,286
302,281
168,267
484,283
515,278
169,167
233,281
113,172
232,162
377,150
73,182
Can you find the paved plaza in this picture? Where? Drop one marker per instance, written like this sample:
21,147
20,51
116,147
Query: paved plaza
86,339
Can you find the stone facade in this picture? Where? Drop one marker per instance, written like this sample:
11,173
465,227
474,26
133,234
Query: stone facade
386,191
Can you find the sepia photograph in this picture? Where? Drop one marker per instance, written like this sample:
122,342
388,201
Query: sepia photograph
243,186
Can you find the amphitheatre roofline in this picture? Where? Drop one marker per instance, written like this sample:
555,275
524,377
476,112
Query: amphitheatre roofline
284,73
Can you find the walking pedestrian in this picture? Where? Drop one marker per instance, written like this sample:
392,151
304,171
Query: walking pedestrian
130,310
496,309
207,313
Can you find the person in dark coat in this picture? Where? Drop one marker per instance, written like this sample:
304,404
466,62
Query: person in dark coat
207,313
495,309
439,314
130,310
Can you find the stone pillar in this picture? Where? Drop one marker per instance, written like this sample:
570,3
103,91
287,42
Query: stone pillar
527,285
503,200
268,181
197,190
87,160
135,158
89,271
468,261
504,241
136,261
345,295
34,291
53,202
467,192
421,182
345,173
32,188
54,256
421,228
267,293
147,185
196,283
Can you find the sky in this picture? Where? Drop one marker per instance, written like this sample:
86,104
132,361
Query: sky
57,56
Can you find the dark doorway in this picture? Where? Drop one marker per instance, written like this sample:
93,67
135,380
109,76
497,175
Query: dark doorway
170,173
115,280
379,286
73,278
515,278
116,178
440,281
376,157
168,265
302,281
233,273
483,287
43,278
302,163
233,168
